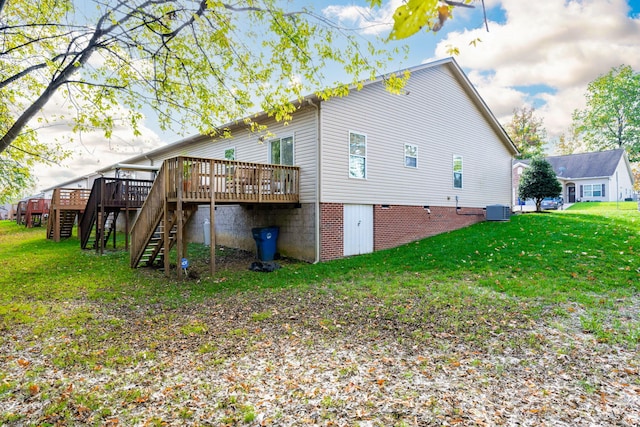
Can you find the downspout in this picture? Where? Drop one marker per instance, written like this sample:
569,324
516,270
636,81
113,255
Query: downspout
317,185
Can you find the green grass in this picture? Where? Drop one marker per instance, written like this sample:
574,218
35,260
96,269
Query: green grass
587,255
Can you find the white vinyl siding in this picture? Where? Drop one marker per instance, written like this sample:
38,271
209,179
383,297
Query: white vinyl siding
454,125
621,179
248,147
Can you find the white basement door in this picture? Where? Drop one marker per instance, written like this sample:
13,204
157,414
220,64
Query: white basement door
358,229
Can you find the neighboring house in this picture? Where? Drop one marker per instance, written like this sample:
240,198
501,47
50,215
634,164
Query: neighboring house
85,181
603,176
376,170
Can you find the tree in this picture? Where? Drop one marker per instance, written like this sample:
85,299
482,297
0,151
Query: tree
569,142
527,132
195,63
414,15
539,181
611,118
635,170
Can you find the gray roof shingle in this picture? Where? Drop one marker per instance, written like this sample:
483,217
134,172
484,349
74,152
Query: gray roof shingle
584,165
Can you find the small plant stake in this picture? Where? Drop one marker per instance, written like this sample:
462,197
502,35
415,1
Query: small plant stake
184,263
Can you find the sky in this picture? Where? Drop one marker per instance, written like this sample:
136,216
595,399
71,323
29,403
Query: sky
539,54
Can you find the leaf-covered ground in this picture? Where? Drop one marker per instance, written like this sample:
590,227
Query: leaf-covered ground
531,322
325,356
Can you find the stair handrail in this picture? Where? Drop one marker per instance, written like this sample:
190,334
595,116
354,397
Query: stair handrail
90,212
53,213
145,224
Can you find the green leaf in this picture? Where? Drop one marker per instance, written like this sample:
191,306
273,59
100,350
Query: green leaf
411,17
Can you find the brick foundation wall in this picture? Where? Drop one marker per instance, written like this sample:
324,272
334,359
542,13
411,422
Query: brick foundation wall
394,225
331,231
397,225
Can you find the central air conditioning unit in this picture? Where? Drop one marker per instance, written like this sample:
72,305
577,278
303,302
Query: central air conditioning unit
498,213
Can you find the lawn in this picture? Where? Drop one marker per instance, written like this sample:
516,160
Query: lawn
534,321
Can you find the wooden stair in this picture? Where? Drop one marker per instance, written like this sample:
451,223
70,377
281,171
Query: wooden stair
67,205
85,227
153,252
67,220
148,220
109,197
102,228
36,210
155,230
185,183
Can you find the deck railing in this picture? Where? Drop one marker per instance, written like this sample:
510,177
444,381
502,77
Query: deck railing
123,192
203,180
185,182
147,220
70,198
110,195
38,205
36,210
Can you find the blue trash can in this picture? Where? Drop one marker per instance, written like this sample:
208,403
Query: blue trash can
265,238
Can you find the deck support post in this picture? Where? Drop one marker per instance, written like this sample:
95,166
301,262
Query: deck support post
179,219
165,227
55,214
126,219
212,214
187,184
100,221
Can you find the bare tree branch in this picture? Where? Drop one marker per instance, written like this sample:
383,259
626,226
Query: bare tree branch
484,12
461,4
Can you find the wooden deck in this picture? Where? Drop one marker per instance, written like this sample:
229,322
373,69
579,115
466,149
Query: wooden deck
70,198
228,181
21,212
67,204
109,197
184,183
36,210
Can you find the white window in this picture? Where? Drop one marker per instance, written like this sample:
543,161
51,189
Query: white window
593,190
281,151
457,171
230,153
411,156
357,155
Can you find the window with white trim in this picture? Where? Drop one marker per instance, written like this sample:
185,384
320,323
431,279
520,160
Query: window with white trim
592,190
357,155
281,151
457,171
230,153
411,156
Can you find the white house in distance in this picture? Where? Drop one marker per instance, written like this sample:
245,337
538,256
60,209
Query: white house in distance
85,181
602,176
376,170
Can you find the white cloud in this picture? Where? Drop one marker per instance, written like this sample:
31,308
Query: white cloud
90,150
369,21
559,44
